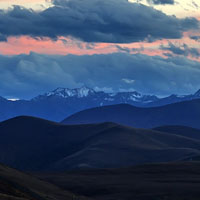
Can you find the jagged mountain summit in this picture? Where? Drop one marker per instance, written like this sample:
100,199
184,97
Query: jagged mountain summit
60,103
67,93
131,97
100,96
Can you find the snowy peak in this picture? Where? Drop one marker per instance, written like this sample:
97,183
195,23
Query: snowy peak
134,96
84,91
99,98
66,92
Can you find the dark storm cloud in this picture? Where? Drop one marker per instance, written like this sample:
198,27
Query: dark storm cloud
25,76
123,49
3,38
196,38
157,2
129,50
95,21
195,5
183,50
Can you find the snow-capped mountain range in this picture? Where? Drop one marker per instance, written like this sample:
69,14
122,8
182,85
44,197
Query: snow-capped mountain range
66,92
101,97
62,102
104,98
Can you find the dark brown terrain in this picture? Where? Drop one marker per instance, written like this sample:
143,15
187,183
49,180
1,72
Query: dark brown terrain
105,161
166,181
15,185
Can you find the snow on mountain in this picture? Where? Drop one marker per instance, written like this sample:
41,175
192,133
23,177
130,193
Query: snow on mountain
66,92
63,102
103,97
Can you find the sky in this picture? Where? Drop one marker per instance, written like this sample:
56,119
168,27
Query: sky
151,46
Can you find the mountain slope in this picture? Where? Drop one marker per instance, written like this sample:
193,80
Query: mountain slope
167,181
180,130
15,185
31,143
184,113
34,144
120,147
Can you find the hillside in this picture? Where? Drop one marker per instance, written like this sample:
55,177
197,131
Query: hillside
167,181
180,130
185,113
15,185
34,144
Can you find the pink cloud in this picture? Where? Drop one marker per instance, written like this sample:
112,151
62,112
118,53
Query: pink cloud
46,46
63,46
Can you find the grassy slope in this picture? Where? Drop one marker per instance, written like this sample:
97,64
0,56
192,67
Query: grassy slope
15,185
34,144
167,181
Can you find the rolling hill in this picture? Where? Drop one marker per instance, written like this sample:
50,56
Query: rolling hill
180,130
15,185
166,181
34,144
185,113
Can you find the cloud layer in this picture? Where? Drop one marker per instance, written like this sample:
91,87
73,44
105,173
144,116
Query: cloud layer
182,50
162,2
108,21
25,76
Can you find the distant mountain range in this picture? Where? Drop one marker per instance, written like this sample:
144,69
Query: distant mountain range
186,113
61,103
33,144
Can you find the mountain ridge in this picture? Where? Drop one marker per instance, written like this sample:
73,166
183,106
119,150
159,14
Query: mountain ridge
63,102
186,113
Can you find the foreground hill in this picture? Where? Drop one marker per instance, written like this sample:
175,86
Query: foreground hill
167,181
15,185
185,113
34,144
